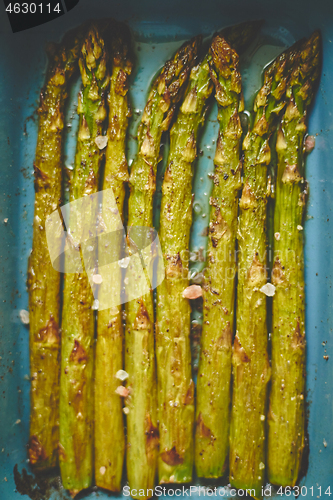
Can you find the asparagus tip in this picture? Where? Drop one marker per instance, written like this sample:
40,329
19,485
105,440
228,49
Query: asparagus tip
241,35
310,52
182,62
93,47
223,55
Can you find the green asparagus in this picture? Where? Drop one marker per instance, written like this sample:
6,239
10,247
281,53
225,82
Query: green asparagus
77,349
141,404
109,425
43,279
286,412
175,384
213,387
251,368
240,36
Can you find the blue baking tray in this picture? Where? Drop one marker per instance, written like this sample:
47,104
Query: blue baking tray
158,29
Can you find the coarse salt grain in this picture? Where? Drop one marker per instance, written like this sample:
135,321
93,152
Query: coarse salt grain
97,278
101,141
268,289
95,305
102,470
124,262
24,316
192,292
300,228
277,236
309,143
122,391
121,375
258,303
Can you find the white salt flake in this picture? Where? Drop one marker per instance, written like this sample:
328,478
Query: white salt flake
102,470
101,141
121,375
262,417
277,236
300,228
325,443
261,465
17,422
126,411
268,289
95,305
24,316
124,262
97,278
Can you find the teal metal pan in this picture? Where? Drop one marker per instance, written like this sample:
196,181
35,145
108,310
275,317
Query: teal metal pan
158,28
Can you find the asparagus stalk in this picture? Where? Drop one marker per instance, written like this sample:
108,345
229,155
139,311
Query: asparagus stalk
43,279
77,349
109,425
286,414
251,369
213,386
142,432
175,384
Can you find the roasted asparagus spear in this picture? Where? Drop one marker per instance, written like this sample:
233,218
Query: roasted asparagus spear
286,412
213,386
251,368
141,403
43,280
77,348
109,425
174,374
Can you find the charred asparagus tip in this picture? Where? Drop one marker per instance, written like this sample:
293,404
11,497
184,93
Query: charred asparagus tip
241,35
